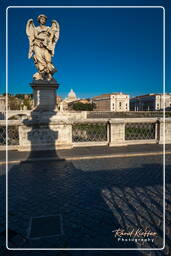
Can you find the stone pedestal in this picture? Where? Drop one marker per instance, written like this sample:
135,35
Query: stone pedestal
44,94
41,135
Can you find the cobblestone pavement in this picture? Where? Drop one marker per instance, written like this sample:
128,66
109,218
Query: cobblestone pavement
94,197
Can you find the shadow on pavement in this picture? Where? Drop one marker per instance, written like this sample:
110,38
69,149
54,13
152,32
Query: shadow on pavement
92,204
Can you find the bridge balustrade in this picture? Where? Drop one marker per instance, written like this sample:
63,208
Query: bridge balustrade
89,132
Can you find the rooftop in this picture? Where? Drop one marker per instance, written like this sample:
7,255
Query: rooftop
108,94
151,94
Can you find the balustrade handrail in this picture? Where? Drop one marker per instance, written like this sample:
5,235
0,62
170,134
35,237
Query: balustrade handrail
89,120
141,120
122,120
11,122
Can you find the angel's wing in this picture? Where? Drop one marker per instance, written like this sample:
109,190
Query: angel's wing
55,29
30,31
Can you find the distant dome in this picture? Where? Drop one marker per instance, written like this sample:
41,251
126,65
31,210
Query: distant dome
72,95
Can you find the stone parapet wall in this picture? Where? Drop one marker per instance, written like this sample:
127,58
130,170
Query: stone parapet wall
127,114
53,134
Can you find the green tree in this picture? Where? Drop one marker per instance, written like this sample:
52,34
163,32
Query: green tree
20,96
14,103
83,106
27,103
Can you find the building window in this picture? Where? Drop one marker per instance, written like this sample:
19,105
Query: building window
126,105
120,104
113,105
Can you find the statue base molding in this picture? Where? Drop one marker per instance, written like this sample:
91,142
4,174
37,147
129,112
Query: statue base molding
44,94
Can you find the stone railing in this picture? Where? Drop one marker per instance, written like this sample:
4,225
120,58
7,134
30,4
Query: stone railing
42,135
10,134
134,131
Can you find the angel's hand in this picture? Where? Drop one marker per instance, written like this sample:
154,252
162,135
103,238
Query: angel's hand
30,21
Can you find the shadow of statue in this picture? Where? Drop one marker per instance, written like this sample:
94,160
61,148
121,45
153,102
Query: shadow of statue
42,137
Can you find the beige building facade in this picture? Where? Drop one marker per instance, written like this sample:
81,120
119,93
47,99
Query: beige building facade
2,103
151,102
117,102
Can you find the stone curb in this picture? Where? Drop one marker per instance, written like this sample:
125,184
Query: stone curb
86,157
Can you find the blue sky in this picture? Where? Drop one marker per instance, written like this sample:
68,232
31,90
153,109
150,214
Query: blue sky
99,50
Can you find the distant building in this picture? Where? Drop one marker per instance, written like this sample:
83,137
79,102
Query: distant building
151,102
58,99
16,102
117,102
70,98
2,103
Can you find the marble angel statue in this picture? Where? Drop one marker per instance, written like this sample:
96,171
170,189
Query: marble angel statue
42,41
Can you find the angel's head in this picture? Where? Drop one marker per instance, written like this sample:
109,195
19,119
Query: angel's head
42,19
